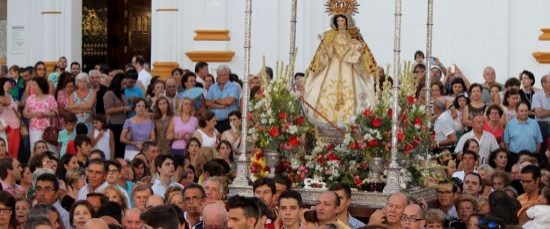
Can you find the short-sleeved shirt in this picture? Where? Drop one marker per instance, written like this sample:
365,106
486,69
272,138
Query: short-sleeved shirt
229,90
541,100
34,105
64,137
130,93
444,126
19,89
487,144
139,131
522,135
110,100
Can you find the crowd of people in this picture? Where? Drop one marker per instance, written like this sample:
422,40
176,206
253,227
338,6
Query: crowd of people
119,148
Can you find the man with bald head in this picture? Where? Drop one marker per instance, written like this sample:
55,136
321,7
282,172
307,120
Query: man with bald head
214,215
131,219
96,224
154,201
100,90
327,207
391,214
171,91
413,217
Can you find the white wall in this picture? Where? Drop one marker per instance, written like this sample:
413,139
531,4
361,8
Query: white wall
470,33
46,36
473,34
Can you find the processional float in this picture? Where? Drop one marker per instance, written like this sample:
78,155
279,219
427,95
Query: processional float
241,185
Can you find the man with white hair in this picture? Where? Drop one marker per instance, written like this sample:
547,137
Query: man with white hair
95,78
131,219
222,98
490,79
214,189
214,215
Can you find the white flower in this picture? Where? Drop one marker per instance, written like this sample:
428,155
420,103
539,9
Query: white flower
292,129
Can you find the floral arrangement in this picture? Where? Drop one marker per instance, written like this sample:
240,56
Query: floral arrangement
370,133
258,164
368,136
277,122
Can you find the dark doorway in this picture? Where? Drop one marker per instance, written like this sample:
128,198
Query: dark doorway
125,31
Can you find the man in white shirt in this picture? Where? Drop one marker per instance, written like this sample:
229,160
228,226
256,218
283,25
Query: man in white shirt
444,130
487,142
144,77
96,174
469,162
166,170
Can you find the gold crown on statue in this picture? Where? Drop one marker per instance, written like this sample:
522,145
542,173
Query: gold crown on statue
346,7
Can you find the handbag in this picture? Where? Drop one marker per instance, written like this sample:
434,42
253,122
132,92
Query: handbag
51,133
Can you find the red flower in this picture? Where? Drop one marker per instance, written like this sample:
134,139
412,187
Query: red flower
249,116
354,145
357,180
376,123
293,141
320,159
367,113
330,147
408,148
373,143
300,120
410,99
400,136
332,157
258,156
418,121
283,115
273,132
390,112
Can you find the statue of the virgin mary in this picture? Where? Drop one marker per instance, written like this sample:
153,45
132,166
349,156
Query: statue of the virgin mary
342,73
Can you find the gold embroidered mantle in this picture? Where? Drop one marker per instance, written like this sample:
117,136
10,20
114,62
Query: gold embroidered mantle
341,78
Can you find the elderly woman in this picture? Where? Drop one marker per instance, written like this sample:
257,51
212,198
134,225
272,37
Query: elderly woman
40,107
82,100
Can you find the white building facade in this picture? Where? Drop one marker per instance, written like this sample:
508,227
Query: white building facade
470,33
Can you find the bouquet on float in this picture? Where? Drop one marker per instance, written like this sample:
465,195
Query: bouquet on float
370,132
277,123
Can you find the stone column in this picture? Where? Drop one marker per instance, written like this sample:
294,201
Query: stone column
3,31
165,20
62,31
44,31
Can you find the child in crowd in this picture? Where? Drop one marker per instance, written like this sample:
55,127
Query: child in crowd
101,137
67,134
81,128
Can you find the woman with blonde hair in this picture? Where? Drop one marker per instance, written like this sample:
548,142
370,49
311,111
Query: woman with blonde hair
182,127
205,155
114,194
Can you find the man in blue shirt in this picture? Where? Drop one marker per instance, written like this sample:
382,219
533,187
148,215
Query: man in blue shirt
522,133
131,92
222,98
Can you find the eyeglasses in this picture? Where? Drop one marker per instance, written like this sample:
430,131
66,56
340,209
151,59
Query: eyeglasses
5,210
47,189
113,171
411,218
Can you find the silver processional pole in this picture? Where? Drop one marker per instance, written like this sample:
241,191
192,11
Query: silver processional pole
240,184
392,181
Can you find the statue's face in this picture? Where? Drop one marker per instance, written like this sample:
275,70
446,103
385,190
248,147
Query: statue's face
341,21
